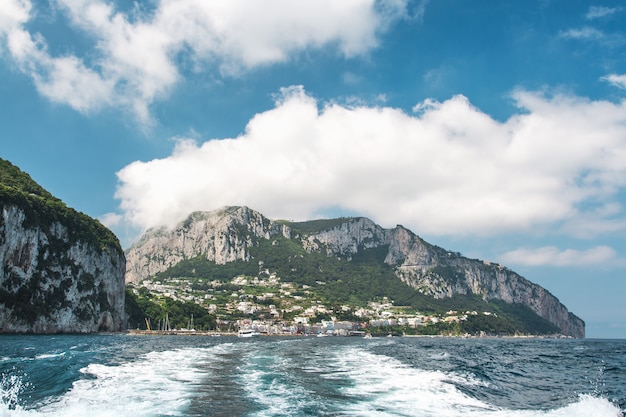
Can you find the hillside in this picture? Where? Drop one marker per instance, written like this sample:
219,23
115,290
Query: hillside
351,262
62,271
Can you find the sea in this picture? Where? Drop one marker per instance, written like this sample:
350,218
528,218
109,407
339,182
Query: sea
143,376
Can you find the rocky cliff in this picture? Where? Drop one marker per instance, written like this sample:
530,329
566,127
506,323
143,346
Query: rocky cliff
62,272
228,234
221,236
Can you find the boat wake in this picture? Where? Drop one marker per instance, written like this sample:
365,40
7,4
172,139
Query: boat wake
262,377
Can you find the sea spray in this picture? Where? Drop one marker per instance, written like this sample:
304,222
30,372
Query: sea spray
11,388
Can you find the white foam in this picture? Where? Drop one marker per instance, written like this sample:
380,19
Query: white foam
49,355
158,383
383,386
264,379
163,384
587,406
11,386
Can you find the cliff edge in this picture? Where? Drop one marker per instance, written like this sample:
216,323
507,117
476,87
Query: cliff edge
62,271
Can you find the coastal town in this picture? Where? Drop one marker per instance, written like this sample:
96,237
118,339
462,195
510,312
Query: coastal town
267,306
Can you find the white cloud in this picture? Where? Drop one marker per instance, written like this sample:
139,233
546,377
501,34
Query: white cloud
111,219
450,169
585,33
590,34
135,59
596,12
426,105
552,256
618,80
13,14
65,79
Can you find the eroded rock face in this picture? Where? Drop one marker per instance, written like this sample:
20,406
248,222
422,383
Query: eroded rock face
226,235
51,283
439,273
221,236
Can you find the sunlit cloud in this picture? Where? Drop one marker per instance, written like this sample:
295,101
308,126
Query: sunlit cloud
135,58
13,14
449,169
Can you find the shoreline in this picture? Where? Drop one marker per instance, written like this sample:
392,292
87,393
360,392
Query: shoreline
137,332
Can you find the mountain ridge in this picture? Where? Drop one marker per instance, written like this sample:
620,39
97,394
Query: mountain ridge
230,234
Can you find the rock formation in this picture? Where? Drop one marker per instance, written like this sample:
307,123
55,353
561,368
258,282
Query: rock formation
62,272
226,235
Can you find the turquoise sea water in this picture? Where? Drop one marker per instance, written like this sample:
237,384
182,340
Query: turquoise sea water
123,375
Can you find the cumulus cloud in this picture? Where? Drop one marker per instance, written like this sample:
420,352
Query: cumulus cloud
449,169
135,59
552,256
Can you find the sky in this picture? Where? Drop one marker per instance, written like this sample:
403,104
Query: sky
492,128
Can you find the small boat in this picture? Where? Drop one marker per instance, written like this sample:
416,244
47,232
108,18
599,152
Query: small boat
367,336
247,333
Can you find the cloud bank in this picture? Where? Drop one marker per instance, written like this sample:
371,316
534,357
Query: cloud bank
447,169
137,57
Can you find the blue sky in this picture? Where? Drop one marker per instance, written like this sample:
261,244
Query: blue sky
492,128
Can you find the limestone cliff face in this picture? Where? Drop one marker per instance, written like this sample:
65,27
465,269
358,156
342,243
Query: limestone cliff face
220,236
62,272
439,273
51,284
226,235
347,238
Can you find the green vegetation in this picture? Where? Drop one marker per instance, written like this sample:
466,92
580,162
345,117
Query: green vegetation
200,267
11,176
314,226
41,208
44,290
143,305
522,318
317,279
